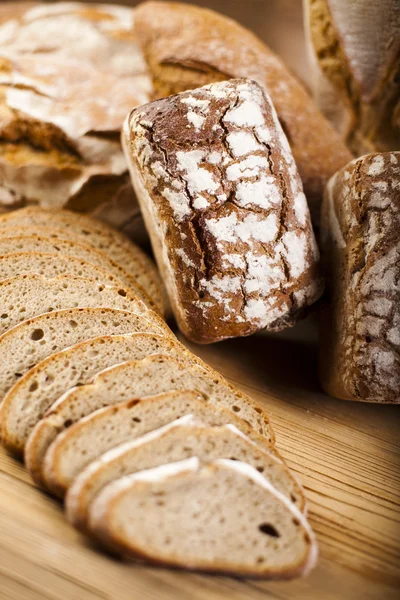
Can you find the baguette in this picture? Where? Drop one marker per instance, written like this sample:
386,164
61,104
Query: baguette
239,525
183,438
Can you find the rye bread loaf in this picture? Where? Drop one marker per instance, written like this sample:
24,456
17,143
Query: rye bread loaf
27,296
225,210
360,324
354,52
87,439
136,379
73,249
187,47
181,439
35,339
69,75
99,235
28,400
239,524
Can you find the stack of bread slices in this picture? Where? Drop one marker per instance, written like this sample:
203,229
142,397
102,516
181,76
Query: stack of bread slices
157,455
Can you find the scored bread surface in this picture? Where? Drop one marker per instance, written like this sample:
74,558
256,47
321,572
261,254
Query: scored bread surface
239,524
183,438
28,400
33,340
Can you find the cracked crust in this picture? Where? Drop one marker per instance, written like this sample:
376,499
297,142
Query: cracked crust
187,47
360,358
69,74
224,206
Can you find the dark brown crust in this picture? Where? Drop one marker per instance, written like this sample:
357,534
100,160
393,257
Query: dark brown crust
202,260
360,352
187,47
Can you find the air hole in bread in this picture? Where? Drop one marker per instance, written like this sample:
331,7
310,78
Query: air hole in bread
4,316
136,419
260,559
296,522
236,408
368,339
73,324
293,498
34,386
68,423
17,374
260,469
37,334
268,529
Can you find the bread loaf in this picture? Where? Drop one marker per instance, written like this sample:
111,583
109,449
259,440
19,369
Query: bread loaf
225,210
155,374
69,74
187,47
239,524
28,400
33,340
355,54
99,235
185,437
360,335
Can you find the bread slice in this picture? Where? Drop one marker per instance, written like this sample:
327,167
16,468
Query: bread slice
238,524
97,234
67,248
27,296
28,400
33,340
86,440
183,438
136,379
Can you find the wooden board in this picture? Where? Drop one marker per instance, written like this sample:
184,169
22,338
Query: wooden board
347,456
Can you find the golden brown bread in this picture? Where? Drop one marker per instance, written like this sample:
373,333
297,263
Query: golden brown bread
360,333
187,47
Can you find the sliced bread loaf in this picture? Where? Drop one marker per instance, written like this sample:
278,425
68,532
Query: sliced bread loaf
99,235
87,439
27,296
33,340
136,379
68,248
238,524
183,438
27,401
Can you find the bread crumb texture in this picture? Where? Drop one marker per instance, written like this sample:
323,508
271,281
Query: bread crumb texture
228,206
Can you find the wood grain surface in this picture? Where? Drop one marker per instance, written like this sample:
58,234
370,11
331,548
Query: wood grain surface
347,456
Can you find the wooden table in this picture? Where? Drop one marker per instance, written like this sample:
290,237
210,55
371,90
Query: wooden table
347,456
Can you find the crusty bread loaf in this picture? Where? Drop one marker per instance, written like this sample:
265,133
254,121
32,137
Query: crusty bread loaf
183,438
239,523
355,55
69,75
136,379
33,340
28,400
73,249
99,235
30,295
187,47
225,210
360,334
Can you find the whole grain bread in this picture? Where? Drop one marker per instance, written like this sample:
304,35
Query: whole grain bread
188,46
67,248
99,235
183,438
69,75
225,210
239,524
88,438
28,400
360,322
27,296
354,51
136,379
35,339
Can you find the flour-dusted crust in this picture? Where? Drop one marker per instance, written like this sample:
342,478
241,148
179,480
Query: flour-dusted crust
225,209
188,46
69,74
360,355
354,51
